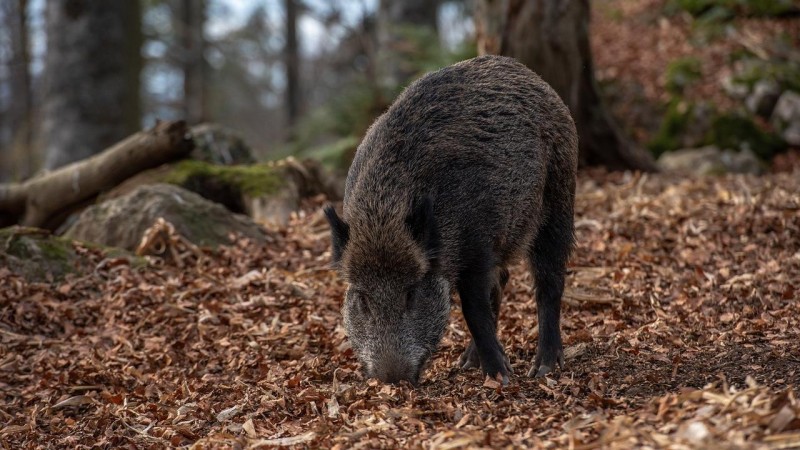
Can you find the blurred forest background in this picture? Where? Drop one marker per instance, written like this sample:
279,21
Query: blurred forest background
168,284
307,77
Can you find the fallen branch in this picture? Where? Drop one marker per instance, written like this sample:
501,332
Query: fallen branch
42,197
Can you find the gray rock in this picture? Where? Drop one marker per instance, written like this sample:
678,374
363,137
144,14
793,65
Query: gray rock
700,161
786,117
763,98
787,110
217,144
792,134
122,221
710,160
736,90
744,161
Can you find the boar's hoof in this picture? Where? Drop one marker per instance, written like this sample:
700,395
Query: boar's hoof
469,358
541,368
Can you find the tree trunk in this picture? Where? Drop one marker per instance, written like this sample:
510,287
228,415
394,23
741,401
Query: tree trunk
91,73
552,38
398,22
192,22
292,61
20,110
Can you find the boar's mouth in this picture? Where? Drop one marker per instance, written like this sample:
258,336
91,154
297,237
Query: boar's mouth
396,376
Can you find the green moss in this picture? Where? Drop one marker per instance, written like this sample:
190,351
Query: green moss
36,254
40,256
722,10
253,180
681,73
733,131
27,243
784,72
673,126
727,131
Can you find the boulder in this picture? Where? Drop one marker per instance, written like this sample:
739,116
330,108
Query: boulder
268,192
791,134
786,117
217,144
763,98
742,161
39,256
710,160
122,221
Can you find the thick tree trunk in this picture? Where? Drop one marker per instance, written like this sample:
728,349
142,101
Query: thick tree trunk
92,69
552,38
398,22
292,61
40,198
193,60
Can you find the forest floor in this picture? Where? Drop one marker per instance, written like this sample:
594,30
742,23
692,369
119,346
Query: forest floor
681,325
635,42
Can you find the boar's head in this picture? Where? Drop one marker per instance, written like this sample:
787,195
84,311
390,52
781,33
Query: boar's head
397,306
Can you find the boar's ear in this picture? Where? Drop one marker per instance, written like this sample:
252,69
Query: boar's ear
340,233
422,224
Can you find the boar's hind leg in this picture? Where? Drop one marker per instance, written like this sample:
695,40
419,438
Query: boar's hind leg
474,289
470,358
548,258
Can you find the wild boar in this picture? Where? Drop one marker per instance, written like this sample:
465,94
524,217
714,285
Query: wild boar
472,167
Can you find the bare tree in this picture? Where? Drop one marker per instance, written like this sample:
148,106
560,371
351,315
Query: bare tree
21,108
292,61
193,43
397,20
552,38
92,69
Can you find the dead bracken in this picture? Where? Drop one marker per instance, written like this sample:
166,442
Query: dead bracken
681,325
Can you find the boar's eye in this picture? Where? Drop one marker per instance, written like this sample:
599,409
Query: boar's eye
362,303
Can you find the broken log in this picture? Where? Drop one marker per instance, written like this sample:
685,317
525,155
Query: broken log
36,200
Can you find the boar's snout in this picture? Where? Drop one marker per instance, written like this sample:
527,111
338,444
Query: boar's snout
395,368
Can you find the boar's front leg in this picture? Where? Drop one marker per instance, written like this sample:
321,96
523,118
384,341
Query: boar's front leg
470,358
474,289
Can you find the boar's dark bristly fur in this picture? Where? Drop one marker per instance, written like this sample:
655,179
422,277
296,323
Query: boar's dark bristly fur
471,167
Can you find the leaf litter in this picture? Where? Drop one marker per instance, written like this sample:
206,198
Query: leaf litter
681,323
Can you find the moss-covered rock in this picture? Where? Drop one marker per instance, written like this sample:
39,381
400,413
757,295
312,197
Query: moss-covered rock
727,9
673,130
39,256
267,192
122,221
784,72
737,131
227,185
685,126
